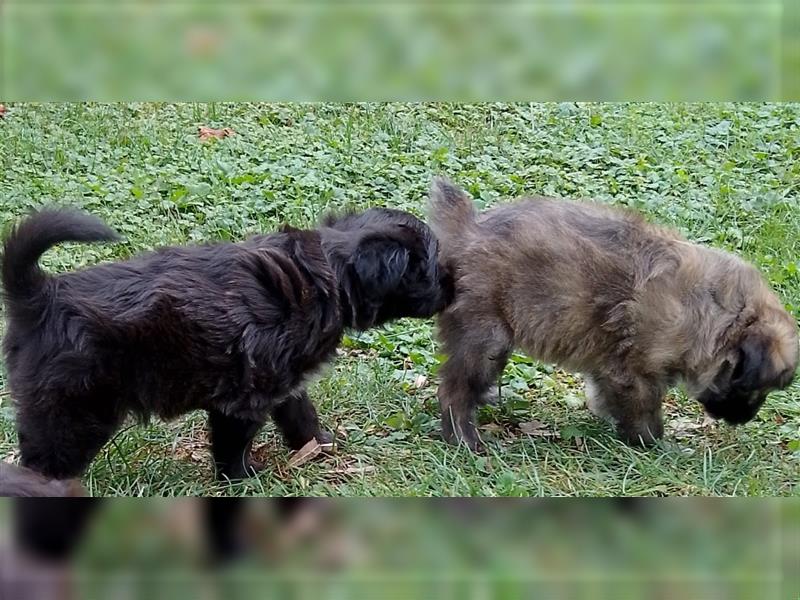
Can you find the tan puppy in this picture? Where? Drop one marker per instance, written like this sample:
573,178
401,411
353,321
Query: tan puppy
597,290
20,482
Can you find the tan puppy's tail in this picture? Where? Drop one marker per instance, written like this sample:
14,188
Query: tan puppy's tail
451,215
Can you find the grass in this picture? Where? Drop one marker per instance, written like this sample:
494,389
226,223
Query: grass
725,175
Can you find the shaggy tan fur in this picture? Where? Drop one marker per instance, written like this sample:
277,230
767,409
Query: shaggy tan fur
632,306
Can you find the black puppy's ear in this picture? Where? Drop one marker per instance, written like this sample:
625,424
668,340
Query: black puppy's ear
380,265
749,373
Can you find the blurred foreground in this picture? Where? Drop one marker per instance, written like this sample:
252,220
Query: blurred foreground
320,548
513,50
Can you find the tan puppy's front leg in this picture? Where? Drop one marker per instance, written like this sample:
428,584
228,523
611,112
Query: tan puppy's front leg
633,406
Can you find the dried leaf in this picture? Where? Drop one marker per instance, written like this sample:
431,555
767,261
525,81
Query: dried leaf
206,133
420,382
683,426
492,428
188,449
261,453
202,41
311,450
537,429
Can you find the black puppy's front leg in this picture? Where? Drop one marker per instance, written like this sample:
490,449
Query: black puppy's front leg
231,440
297,419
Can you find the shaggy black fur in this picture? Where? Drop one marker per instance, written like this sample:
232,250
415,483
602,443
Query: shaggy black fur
231,328
50,530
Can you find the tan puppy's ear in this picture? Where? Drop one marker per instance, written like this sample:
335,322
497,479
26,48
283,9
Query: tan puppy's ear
751,369
757,366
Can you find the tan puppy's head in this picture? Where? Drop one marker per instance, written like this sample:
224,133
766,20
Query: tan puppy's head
759,355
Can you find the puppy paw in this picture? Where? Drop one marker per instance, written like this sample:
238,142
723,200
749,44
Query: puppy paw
475,445
463,433
324,438
240,470
641,437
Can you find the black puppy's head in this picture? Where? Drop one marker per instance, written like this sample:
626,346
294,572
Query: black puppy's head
762,360
387,264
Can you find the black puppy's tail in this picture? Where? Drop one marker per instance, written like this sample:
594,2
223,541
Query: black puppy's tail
24,283
452,215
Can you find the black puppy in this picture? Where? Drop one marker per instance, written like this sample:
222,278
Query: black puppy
231,328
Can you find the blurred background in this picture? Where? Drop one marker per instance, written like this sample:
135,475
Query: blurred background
448,548
407,50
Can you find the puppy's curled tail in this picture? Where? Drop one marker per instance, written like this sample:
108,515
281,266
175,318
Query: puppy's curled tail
452,215
24,283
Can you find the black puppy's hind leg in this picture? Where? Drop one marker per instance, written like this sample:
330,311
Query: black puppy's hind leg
231,441
59,437
297,419
52,528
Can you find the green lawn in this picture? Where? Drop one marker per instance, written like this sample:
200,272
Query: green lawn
725,175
